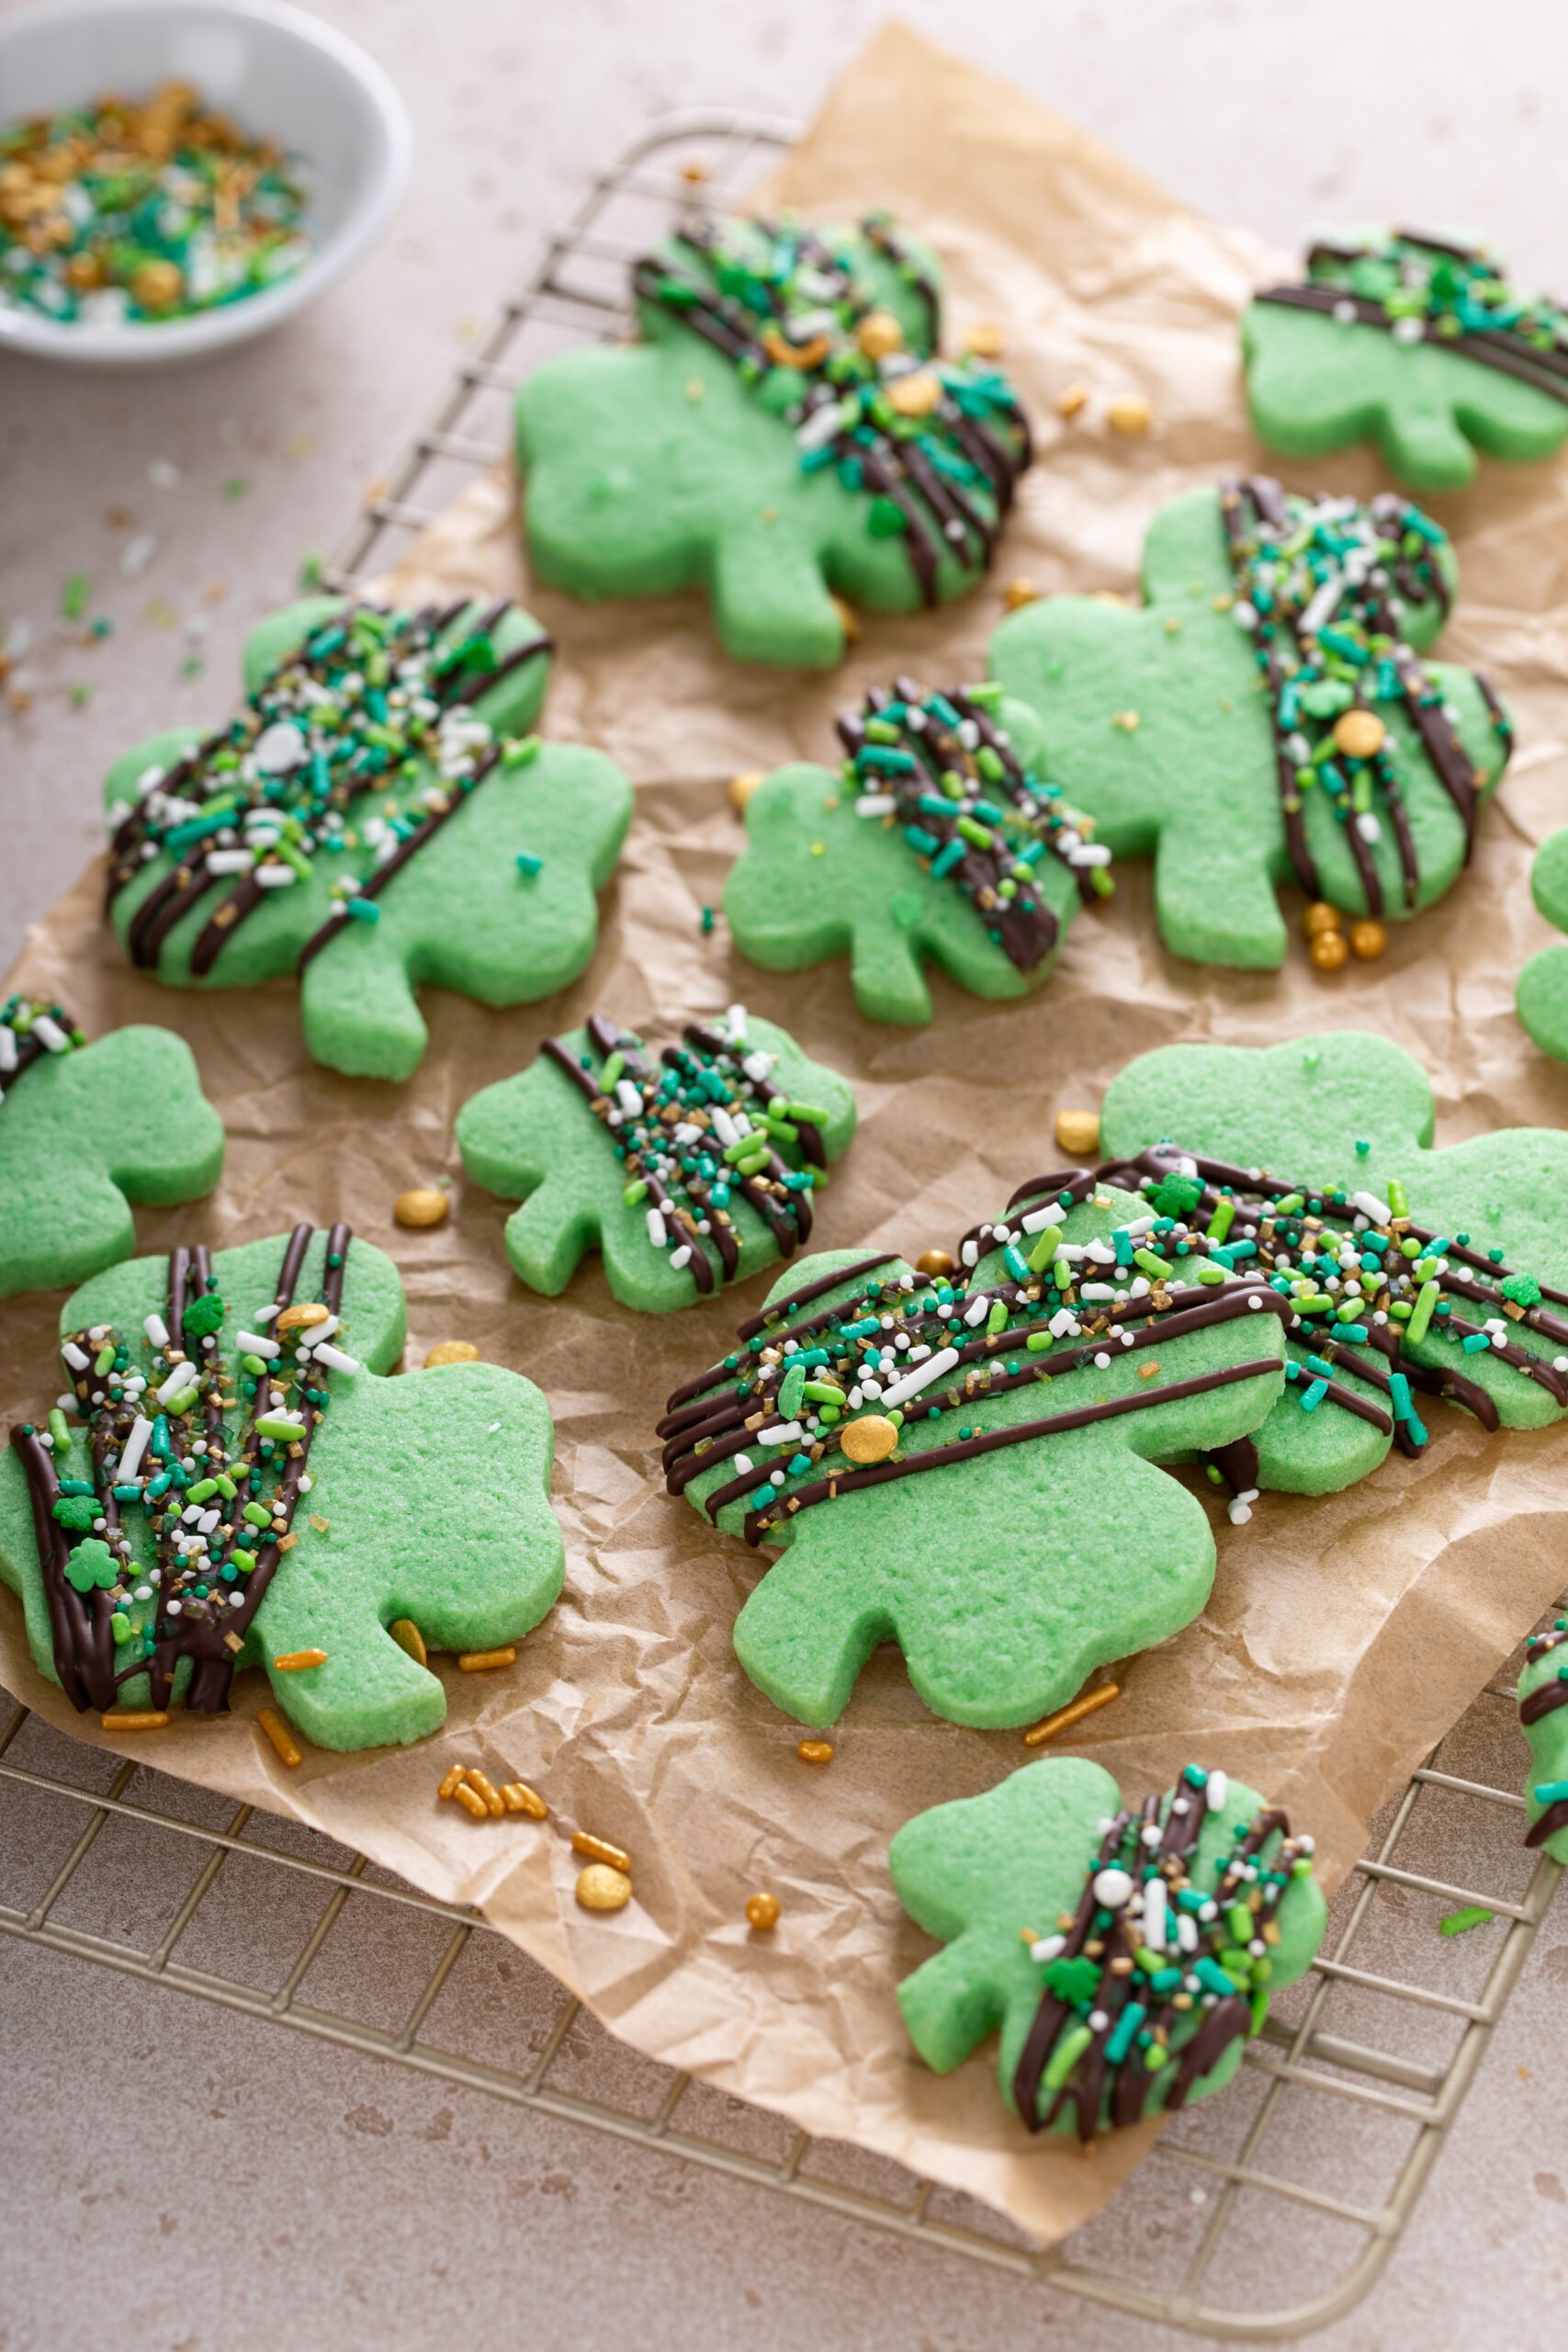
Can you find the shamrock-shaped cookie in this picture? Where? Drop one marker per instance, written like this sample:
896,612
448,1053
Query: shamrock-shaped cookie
1127,1953
1405,1272
966,1464
1412,341
375,819
785,433
685,1172
1544,1712
84,1131
941,840
228,1482
1542,994
1264,718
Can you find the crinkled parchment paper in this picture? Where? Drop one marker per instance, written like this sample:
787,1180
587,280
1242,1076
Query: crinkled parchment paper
1344,1636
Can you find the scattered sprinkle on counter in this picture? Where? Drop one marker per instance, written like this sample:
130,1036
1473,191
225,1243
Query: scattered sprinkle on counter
128,213
762,1912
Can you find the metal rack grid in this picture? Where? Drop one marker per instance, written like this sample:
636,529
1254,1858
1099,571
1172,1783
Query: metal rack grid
1415,2047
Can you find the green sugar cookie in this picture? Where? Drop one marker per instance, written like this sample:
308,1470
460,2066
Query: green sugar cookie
1542,992
228,1482
969,1466
939,841
1264,719
376,820
685,1172
1544,1712
1405,1272
785,432
1126,1952
1412,341
84,1131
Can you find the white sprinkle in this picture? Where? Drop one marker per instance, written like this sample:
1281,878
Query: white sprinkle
137,554
276,877
875,804
1154,1904
1369,827
781,1434
135,1447
183,1376
681,1257
251,1343
1113,1887
1218,1788
230,861
656,1228
913,1382
1345,312
75,1357
976,1311
1409,330
1377,1212
1048,1948
743,1464
336,1360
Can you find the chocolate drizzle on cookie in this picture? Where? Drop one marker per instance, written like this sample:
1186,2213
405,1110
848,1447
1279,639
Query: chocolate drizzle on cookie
1426,289
814,1406
219,1507
1321,586
941,768
935,445
1363,1285
1164,1964
360,743
708,1124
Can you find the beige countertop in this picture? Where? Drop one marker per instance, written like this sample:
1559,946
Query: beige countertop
175,2177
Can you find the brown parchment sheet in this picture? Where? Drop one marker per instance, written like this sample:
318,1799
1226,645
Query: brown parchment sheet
1343,1636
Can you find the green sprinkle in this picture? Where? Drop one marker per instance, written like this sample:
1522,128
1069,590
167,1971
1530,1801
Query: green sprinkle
1470,1915
74,596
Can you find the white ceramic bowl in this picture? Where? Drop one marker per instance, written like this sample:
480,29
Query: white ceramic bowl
283,75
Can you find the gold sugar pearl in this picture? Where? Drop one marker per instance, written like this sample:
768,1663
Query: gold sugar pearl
424,1204
1319,916
157,284
1074,399
1359,733
916,394
1130,415
601,1888
1077,1132
451,1351
743,786
986,340
1368,939
814,1751
1019,592
937,1263
871,1438
879,335
762,1912
1329,950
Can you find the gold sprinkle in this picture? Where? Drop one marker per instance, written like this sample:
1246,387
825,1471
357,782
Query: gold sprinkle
1127,720
696,387
1071,401
298,1319
1368,939
481,1661
451,1781
770,514
817,848
1075,1713
599,1888
134,1718
762,1912
322,1526
1019,592
1329,950
1359,733
599,1850
451,1351
296,1661
1222,602
423,1205
280,1736
1319,916
407,1635
472,1802
1078,1132
848,619
694,169
936,1262
871,1438
518,1797
984,339
916,394
814,1751
483,1787
157,284
1147,1371
879,335
1173,625
743,786
1130,414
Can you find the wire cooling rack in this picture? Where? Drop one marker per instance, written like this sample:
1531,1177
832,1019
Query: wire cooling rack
1298,2181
